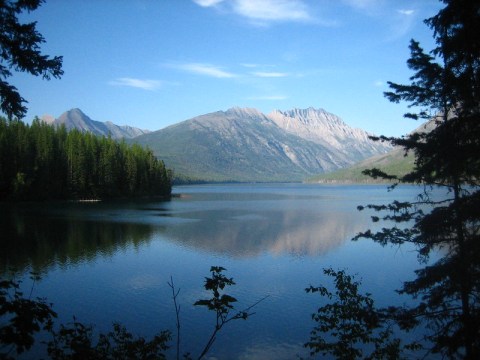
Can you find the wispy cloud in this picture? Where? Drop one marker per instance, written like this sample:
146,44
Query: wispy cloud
268,74
145,84
207,3
205,69
272,10
402,23
378,83
263,11
397,21
406,11
373,8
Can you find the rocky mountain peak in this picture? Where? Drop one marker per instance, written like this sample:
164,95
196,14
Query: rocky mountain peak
72,114
244,112
327,129
308,112
76,111
311,116
76,119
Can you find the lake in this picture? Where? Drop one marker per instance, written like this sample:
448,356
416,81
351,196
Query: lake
106,262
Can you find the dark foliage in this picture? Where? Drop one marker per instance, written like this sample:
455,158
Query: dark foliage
20,319
445,89
350,327
20,51
221,304
75,341
40,162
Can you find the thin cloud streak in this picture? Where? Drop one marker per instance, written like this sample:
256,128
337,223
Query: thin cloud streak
205,69
263,11
272,10
207,3
145,84
402,23
406,11
266,74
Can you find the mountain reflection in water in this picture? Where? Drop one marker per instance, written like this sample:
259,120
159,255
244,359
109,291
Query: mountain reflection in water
111,261
40,236
246,234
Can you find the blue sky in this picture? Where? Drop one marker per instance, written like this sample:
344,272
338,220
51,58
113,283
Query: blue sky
151,63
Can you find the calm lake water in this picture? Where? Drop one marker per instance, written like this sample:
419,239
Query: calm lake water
106,262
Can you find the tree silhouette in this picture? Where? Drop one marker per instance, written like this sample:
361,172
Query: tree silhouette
356,328
20,51
23,318
445,88
220,304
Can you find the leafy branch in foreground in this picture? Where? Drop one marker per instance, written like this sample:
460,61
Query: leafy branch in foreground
75,341
221,304
22,318
350,327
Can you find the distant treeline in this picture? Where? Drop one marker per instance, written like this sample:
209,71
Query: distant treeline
39,161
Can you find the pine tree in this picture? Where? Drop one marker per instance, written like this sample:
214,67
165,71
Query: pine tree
20,51
445,88
45,162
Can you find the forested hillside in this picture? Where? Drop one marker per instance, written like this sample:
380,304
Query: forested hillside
394,162
40,161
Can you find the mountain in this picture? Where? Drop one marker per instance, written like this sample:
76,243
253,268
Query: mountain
328,130
76,119
395,162
243,144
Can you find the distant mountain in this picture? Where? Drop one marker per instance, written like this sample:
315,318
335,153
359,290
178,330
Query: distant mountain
76,119
329,130
243,144
395,162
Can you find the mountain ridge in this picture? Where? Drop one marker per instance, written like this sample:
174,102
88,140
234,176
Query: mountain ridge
243,144
396,162
76,119
327,129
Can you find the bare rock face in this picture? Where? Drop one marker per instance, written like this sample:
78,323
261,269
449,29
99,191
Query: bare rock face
329,130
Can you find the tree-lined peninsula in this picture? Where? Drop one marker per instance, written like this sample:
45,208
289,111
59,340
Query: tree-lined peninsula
42,162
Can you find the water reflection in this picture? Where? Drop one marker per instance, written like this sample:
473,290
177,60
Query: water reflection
36,238
109,262
247,233
39,236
